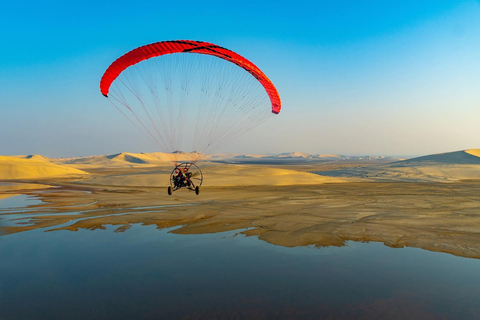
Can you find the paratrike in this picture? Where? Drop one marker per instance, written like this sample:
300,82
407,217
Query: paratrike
186,175
189,95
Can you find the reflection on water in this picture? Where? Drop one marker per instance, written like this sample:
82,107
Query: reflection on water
18,202
155,274
434,216
16,210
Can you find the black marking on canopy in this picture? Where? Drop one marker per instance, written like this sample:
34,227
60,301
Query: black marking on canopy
209,48
195,43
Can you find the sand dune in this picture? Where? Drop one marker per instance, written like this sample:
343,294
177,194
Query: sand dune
21,167
250,175
120,159
34,157
216,175
473,152
283,205
127,159
471,156
450,166
444,167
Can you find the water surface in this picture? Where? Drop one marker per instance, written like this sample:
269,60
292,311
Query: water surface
153,274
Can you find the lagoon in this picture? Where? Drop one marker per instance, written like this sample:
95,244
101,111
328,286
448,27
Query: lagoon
147,273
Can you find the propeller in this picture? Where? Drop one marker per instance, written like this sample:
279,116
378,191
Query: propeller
195,174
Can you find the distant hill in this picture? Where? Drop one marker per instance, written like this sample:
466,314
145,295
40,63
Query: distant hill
127,159
471,156
442,167
160,158
292,157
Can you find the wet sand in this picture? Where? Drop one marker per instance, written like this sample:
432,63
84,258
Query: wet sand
434,216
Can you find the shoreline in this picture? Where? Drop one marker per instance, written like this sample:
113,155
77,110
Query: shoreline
431,215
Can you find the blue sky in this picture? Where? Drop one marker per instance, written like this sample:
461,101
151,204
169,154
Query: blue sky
355,77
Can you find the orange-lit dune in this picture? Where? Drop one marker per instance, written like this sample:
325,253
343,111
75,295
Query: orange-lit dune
25,167
473,152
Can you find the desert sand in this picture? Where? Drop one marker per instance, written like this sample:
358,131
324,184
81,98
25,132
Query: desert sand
473,152
444,167
32,167
429,202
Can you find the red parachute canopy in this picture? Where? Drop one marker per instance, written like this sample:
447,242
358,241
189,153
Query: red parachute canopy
178,46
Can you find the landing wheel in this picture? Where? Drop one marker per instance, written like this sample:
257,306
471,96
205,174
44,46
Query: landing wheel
197,190
169,191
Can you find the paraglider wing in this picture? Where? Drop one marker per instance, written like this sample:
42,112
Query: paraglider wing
187,46
195,90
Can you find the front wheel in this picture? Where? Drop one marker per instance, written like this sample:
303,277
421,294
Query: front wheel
197,190
169,191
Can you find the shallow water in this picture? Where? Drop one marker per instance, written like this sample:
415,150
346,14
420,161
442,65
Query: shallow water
16,210
153,274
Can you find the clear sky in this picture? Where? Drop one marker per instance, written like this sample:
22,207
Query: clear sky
355,77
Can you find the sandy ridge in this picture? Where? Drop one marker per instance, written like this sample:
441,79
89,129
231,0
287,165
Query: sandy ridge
16,167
